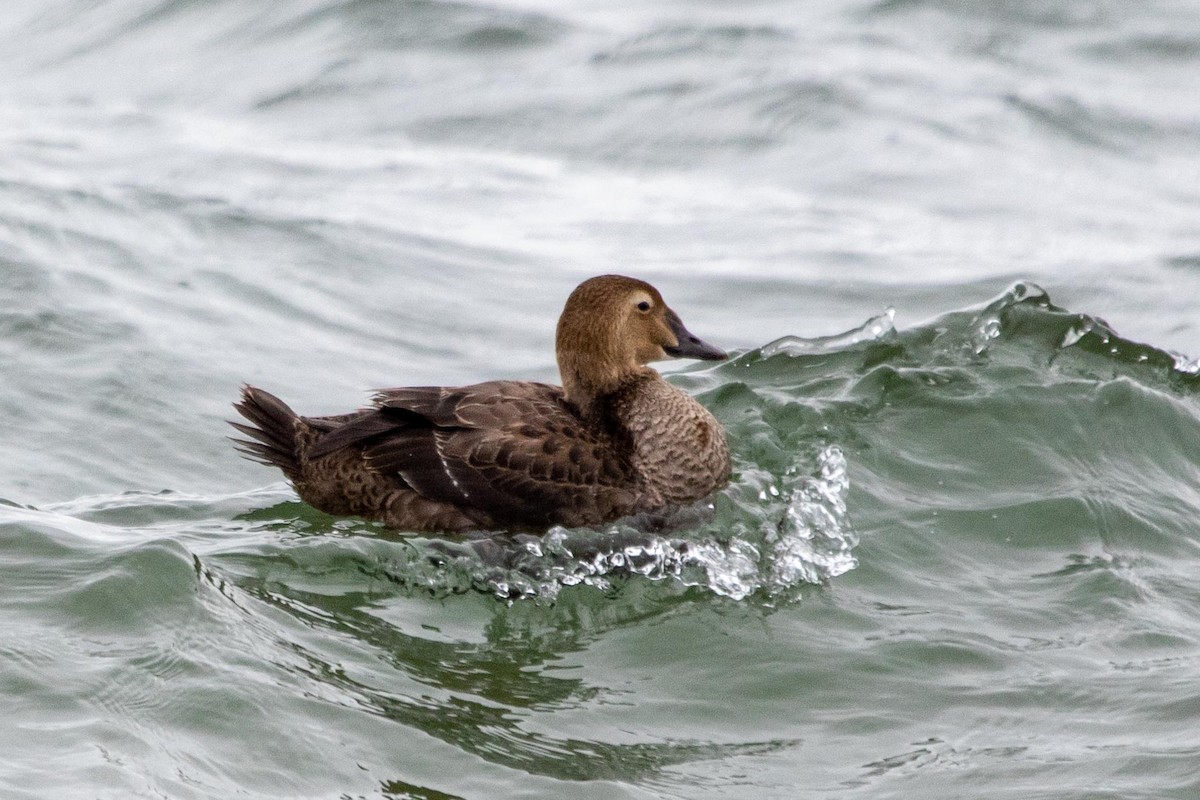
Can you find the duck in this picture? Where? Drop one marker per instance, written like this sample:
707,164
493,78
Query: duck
613,441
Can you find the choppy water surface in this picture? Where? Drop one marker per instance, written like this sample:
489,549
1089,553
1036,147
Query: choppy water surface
953,245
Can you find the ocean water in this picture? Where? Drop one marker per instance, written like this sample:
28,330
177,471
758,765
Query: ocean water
954,246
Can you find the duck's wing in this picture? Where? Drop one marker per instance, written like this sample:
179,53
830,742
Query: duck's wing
514,450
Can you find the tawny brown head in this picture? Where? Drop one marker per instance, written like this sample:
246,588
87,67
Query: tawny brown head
610,328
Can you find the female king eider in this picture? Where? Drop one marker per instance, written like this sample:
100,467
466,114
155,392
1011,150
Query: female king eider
615,440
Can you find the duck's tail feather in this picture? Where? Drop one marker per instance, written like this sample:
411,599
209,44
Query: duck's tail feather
273,432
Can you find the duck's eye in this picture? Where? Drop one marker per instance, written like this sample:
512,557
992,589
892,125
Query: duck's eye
644,305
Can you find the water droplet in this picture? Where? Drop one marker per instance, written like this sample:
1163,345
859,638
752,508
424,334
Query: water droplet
1077,332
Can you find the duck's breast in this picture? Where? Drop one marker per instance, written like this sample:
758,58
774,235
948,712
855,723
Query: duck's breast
679,448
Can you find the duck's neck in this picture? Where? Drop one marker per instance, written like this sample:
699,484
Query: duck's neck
590,385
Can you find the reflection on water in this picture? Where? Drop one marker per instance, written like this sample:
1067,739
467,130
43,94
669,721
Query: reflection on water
479,697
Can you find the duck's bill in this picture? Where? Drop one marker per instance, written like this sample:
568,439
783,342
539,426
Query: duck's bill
691,346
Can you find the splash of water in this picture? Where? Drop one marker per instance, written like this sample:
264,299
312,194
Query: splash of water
808,541
813,542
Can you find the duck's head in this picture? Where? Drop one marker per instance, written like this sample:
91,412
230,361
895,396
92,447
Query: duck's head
610,328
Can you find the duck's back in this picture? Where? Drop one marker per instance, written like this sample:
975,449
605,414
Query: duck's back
498,454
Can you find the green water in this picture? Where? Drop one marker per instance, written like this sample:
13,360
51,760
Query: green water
1017,618
958,557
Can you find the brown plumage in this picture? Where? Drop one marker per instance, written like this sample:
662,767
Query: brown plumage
615,440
